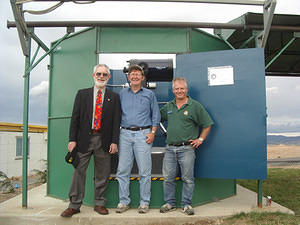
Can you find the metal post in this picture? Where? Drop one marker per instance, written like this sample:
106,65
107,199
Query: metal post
246,42
35,54
259,193
280,52
25,125
269,9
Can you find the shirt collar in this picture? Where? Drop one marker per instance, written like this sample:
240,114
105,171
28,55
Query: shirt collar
129,89
188,102
102,90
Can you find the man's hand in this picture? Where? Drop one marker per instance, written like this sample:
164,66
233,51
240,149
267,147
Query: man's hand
195,143
150,138
71,145
113,148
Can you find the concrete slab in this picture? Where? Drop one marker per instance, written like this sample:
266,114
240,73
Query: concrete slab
43,210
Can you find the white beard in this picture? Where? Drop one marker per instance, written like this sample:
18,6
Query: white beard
100,84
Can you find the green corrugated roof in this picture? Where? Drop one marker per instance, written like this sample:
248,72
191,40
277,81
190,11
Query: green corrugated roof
288,63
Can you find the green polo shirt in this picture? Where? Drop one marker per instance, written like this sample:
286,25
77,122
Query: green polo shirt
184,123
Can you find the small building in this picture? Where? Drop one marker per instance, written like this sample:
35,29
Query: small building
11,136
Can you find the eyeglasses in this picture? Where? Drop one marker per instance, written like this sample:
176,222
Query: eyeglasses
99,74
136,74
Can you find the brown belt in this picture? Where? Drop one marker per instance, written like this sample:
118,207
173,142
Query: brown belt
95,131
180,144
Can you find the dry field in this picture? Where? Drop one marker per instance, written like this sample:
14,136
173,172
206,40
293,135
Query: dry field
283,151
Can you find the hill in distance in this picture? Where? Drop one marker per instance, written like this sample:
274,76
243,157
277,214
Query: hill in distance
282,140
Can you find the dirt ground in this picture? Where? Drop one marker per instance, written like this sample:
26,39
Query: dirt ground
33,182
283,151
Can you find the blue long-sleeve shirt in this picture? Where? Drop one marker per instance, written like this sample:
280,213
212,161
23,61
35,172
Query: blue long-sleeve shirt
139,109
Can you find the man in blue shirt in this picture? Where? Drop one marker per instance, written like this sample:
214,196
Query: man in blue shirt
140,119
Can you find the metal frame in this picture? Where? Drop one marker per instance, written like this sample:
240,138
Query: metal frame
240,2
295,36
22,25
241,26
26,33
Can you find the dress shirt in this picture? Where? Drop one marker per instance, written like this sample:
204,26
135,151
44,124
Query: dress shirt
139,109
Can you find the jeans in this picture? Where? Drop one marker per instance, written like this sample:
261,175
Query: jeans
176,158
133,144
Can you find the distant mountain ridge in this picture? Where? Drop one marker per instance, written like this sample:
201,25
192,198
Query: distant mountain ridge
282,140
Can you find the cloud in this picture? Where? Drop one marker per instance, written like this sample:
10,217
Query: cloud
40,90
281,92
283,124
11,106
38,103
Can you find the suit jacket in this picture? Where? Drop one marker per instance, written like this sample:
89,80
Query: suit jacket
81,121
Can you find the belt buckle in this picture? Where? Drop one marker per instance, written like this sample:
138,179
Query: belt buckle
95,131
133,128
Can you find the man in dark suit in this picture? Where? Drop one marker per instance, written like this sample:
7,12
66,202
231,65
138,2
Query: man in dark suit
94,130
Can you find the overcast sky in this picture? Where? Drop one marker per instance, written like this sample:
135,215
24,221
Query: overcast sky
283,101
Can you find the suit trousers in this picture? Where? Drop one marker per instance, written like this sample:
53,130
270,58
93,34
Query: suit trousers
102,163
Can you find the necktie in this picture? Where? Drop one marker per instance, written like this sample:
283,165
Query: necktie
98,111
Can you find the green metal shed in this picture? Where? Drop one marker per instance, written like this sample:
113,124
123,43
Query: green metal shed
70,68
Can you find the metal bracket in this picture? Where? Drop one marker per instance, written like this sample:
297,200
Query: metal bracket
219,33
38,41
31,67
297,34
70,30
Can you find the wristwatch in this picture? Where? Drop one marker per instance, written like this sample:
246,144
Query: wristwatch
201,139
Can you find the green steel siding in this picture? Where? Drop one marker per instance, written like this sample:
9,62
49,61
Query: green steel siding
151,40
71,69
204,42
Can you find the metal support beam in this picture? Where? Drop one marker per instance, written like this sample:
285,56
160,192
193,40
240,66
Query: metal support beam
38,41
269,8
282,74
35,54
280,52
25,126
152,24
247,41
21,26
31,67
236,2
257,37
259,193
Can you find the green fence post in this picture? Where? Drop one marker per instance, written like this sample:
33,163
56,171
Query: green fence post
259,193
25,126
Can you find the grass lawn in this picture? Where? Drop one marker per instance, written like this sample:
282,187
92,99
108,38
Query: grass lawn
284,187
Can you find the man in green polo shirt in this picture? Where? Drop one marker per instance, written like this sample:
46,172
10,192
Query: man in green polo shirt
186,118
